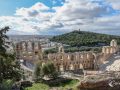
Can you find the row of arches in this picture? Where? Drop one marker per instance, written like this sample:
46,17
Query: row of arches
74,67
71,57
69,67
28,50
109,50
28,46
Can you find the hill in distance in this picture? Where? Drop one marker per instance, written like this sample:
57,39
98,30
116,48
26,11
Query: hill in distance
83,38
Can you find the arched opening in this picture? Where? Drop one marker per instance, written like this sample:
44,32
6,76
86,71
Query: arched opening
72,57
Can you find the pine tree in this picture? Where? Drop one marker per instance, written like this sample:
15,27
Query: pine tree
9,67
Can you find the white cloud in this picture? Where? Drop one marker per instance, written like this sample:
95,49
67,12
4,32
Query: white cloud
80,9
18,25
79,13
74,14
115,4
32,11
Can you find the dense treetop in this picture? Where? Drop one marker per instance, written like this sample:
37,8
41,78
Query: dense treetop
9,66
83,38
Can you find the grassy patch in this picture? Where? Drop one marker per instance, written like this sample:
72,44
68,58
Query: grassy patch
70,84
61,86
38,86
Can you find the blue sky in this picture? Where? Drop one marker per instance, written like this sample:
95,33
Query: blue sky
60,16
8,7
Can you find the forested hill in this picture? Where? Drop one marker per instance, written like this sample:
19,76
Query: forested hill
82,38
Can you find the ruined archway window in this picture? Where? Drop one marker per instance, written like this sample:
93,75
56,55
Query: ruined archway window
88,56
82,56
61,49
72,57
71,67
36,53
84,65
61,57
68,57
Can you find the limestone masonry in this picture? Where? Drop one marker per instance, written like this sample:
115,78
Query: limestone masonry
32,52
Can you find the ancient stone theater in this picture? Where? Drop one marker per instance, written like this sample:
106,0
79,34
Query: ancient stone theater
88,60
82,60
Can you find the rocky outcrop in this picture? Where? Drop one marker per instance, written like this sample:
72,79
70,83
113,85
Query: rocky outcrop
113,64
99,82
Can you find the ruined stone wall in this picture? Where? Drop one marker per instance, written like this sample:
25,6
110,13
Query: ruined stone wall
86,60
107,52
73,61
28,50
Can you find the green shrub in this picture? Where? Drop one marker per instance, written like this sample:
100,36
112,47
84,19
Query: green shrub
6,85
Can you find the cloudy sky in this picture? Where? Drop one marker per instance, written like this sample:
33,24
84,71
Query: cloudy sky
52,17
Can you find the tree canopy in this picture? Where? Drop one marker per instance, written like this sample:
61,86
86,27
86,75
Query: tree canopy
46,70
9,67
82,38
49,70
